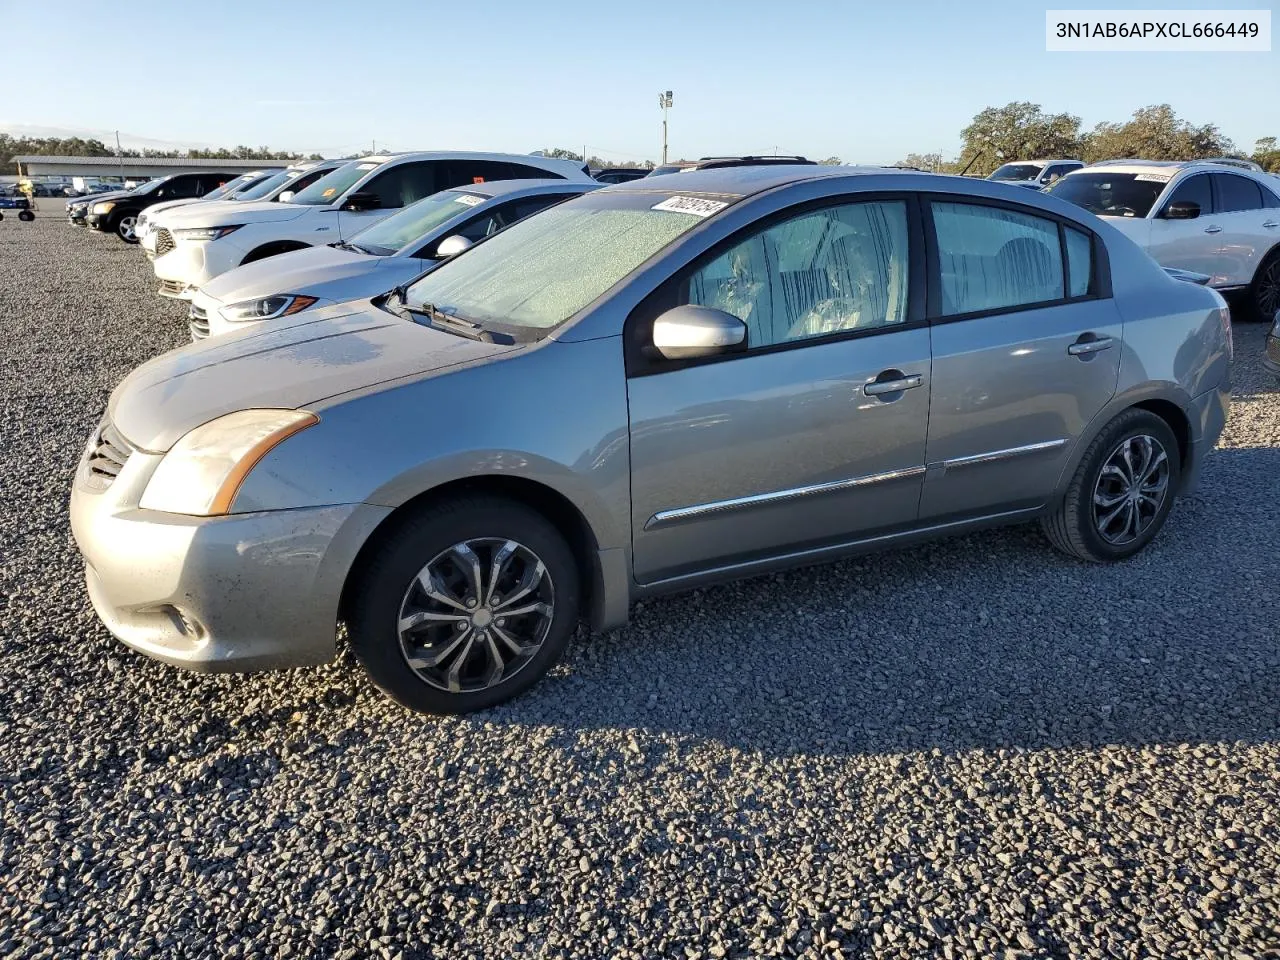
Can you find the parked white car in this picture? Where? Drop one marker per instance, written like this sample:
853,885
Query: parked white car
201,243
1213,217
230,190
278,185
392,252
1036,174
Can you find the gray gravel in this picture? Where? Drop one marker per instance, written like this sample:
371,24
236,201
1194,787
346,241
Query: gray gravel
972,749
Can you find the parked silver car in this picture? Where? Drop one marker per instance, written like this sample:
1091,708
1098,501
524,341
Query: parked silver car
391,252
653,386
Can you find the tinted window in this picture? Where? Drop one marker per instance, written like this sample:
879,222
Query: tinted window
403,184
530,205
1269,197
1192,190
830,271
335,183
1111,194
1079,262
991,258
1237,193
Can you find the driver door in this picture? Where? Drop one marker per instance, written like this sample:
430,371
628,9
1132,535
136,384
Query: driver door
1188,244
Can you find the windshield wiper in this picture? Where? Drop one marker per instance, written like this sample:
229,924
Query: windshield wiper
353,247
447,321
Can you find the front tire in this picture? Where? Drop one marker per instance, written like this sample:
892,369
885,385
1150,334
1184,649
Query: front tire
26,216
465,605
1121,492
126,228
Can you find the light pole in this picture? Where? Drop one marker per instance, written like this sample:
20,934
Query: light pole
664,101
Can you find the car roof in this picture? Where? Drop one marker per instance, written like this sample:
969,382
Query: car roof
745,181
1168,166
547,163
505,188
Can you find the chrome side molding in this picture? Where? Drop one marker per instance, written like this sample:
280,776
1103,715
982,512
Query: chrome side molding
995,456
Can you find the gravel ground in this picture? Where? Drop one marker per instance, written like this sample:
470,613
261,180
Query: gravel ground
973,749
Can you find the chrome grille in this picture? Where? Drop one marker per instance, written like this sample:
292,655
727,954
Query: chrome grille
164,242
172,288
198,321
108,451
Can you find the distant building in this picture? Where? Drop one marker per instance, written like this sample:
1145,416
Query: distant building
128,167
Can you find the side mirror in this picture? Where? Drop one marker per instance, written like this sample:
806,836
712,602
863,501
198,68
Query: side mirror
285,197
687,332
452,246
362,200
1182,210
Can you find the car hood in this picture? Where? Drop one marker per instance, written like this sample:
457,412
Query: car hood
161,207
316,272
92,198
225,213
285,367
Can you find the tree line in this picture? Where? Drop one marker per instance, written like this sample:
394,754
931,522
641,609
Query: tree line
1023,131
11,147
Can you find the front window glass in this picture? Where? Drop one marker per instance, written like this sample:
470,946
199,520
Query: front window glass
830,271
1017,171
390,235
991,258
1111,194
541,271
226,188
333,185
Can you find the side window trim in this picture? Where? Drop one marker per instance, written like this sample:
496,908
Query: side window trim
640,320
1099,281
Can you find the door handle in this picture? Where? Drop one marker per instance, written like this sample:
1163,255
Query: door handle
877,388
1212,229
1271,224
1083,348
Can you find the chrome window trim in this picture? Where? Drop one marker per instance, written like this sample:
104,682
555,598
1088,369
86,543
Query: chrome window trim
679,514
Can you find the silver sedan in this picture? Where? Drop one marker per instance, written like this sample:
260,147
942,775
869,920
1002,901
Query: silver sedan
652,387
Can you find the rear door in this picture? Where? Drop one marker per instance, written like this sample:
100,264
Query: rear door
1245,238
1026,351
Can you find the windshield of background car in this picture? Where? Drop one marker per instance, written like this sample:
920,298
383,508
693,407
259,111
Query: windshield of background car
1111,194
226,188
390,235
333,185
1017,171
260,190
150,186
539,272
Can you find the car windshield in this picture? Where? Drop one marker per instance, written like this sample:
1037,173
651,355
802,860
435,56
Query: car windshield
150,185
333,185
1017,171
260,190
539,272
231,186
390,235
1111,194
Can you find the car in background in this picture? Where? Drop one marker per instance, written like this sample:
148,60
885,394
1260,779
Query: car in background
648,388
1271,352
391,252
1201,215
1036,174
78,207
118,213
277,186
228,190
199,244
713,163
620,174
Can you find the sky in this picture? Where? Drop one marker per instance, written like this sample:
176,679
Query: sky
867,82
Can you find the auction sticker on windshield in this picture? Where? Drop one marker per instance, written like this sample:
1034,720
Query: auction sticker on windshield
693,205
468,199
1153,177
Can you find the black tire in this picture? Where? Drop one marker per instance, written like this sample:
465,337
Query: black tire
1264,291
26,216
379,589
1072,525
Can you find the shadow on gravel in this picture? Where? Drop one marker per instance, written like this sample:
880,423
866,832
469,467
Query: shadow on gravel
989,641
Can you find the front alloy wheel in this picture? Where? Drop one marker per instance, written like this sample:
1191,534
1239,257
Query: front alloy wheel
463,604
127,229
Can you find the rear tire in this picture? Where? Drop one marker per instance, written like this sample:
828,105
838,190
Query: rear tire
26,216
1264,291
1121,493
465,605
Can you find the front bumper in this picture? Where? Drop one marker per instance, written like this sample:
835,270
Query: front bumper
193,263
241,593
96,221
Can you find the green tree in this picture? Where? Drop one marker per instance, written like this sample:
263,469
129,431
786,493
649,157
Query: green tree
1266,154
932,162
1155,133
1017,131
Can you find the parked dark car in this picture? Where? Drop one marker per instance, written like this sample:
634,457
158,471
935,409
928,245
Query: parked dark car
118,213
621,174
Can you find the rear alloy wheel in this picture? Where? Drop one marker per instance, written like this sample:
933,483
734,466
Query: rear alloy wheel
126,229
1122,490
464,606
1264,292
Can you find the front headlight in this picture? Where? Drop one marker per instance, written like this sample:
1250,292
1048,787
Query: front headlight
266,308
205,233
202,472
105,207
